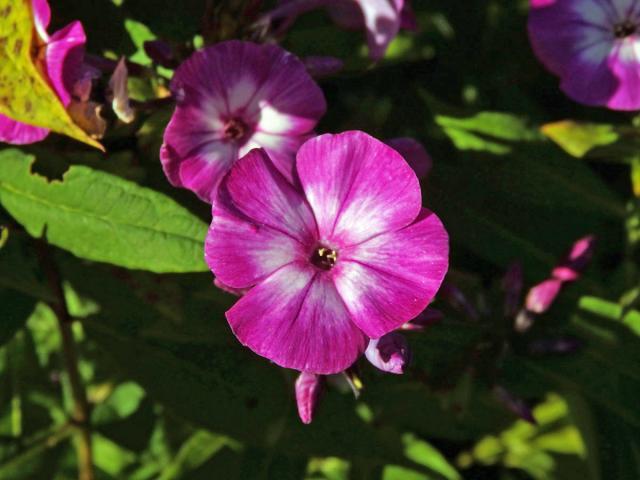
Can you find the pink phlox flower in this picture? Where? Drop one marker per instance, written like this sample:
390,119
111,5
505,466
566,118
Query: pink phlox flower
343,254
59,59
592,46
382,19
233,97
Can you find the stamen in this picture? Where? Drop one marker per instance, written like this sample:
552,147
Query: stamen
625,29
324,258
235,129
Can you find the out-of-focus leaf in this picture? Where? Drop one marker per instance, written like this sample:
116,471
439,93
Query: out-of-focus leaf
425,454
122,402
139,34
111,457
635,176
395,472
101,217
612,311
24,94
199,448
4,235
578,139
331,468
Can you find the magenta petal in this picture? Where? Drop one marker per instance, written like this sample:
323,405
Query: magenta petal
308,390
296,319
260,192
242,250
389,353
391,278
18,133
63,59
414,153
572,266
357,186
541,296
41,17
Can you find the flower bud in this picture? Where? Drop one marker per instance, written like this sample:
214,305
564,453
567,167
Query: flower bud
308,389
540,297
572,266
390,353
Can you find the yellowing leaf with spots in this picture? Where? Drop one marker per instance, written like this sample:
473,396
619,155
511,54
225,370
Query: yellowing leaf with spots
25,95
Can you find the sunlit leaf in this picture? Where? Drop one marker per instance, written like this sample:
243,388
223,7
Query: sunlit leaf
578,139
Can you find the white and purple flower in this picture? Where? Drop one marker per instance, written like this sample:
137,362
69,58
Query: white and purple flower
343,254
593,46
233,97
59,59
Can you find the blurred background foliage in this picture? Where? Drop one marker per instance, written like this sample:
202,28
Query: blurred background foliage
520,172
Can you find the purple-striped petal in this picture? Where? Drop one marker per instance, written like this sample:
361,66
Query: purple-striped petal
296,318
357,186
391,278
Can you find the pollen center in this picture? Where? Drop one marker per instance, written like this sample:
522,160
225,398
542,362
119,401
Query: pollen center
324,258
625,29
235,129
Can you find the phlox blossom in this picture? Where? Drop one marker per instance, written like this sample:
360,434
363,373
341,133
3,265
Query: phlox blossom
233,97
593,46
343,253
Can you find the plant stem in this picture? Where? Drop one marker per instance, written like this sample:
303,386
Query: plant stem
80,414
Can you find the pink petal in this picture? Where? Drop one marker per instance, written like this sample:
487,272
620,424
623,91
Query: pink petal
242,251
414,153
308,390
572,266
19,133
624,65
296,319
201,170
120,92
63,59
391,278
389,353
357,186
540,297
41,17
259,191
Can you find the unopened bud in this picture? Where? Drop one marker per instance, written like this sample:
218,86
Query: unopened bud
308,389
390,353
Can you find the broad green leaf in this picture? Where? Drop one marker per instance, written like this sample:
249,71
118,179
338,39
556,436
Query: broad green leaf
102,217
24,94
199,448
111,457
578,139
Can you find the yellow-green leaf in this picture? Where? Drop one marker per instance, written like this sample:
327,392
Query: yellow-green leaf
577,139
25,95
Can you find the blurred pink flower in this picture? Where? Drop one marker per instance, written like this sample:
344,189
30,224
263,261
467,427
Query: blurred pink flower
382,19
343,254
232,97
592,46
59,58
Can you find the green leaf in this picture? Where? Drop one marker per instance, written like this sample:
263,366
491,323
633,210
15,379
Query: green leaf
395,472
578,139
425,454
199,448
25,95
102,217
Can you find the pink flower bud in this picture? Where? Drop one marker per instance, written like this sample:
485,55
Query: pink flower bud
540,297
308,389
572,266
390,353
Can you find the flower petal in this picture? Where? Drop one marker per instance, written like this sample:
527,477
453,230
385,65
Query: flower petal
624,65
19,133
382,19
259,191
41,17
240,251
389,279
63,59
357,186
296,319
